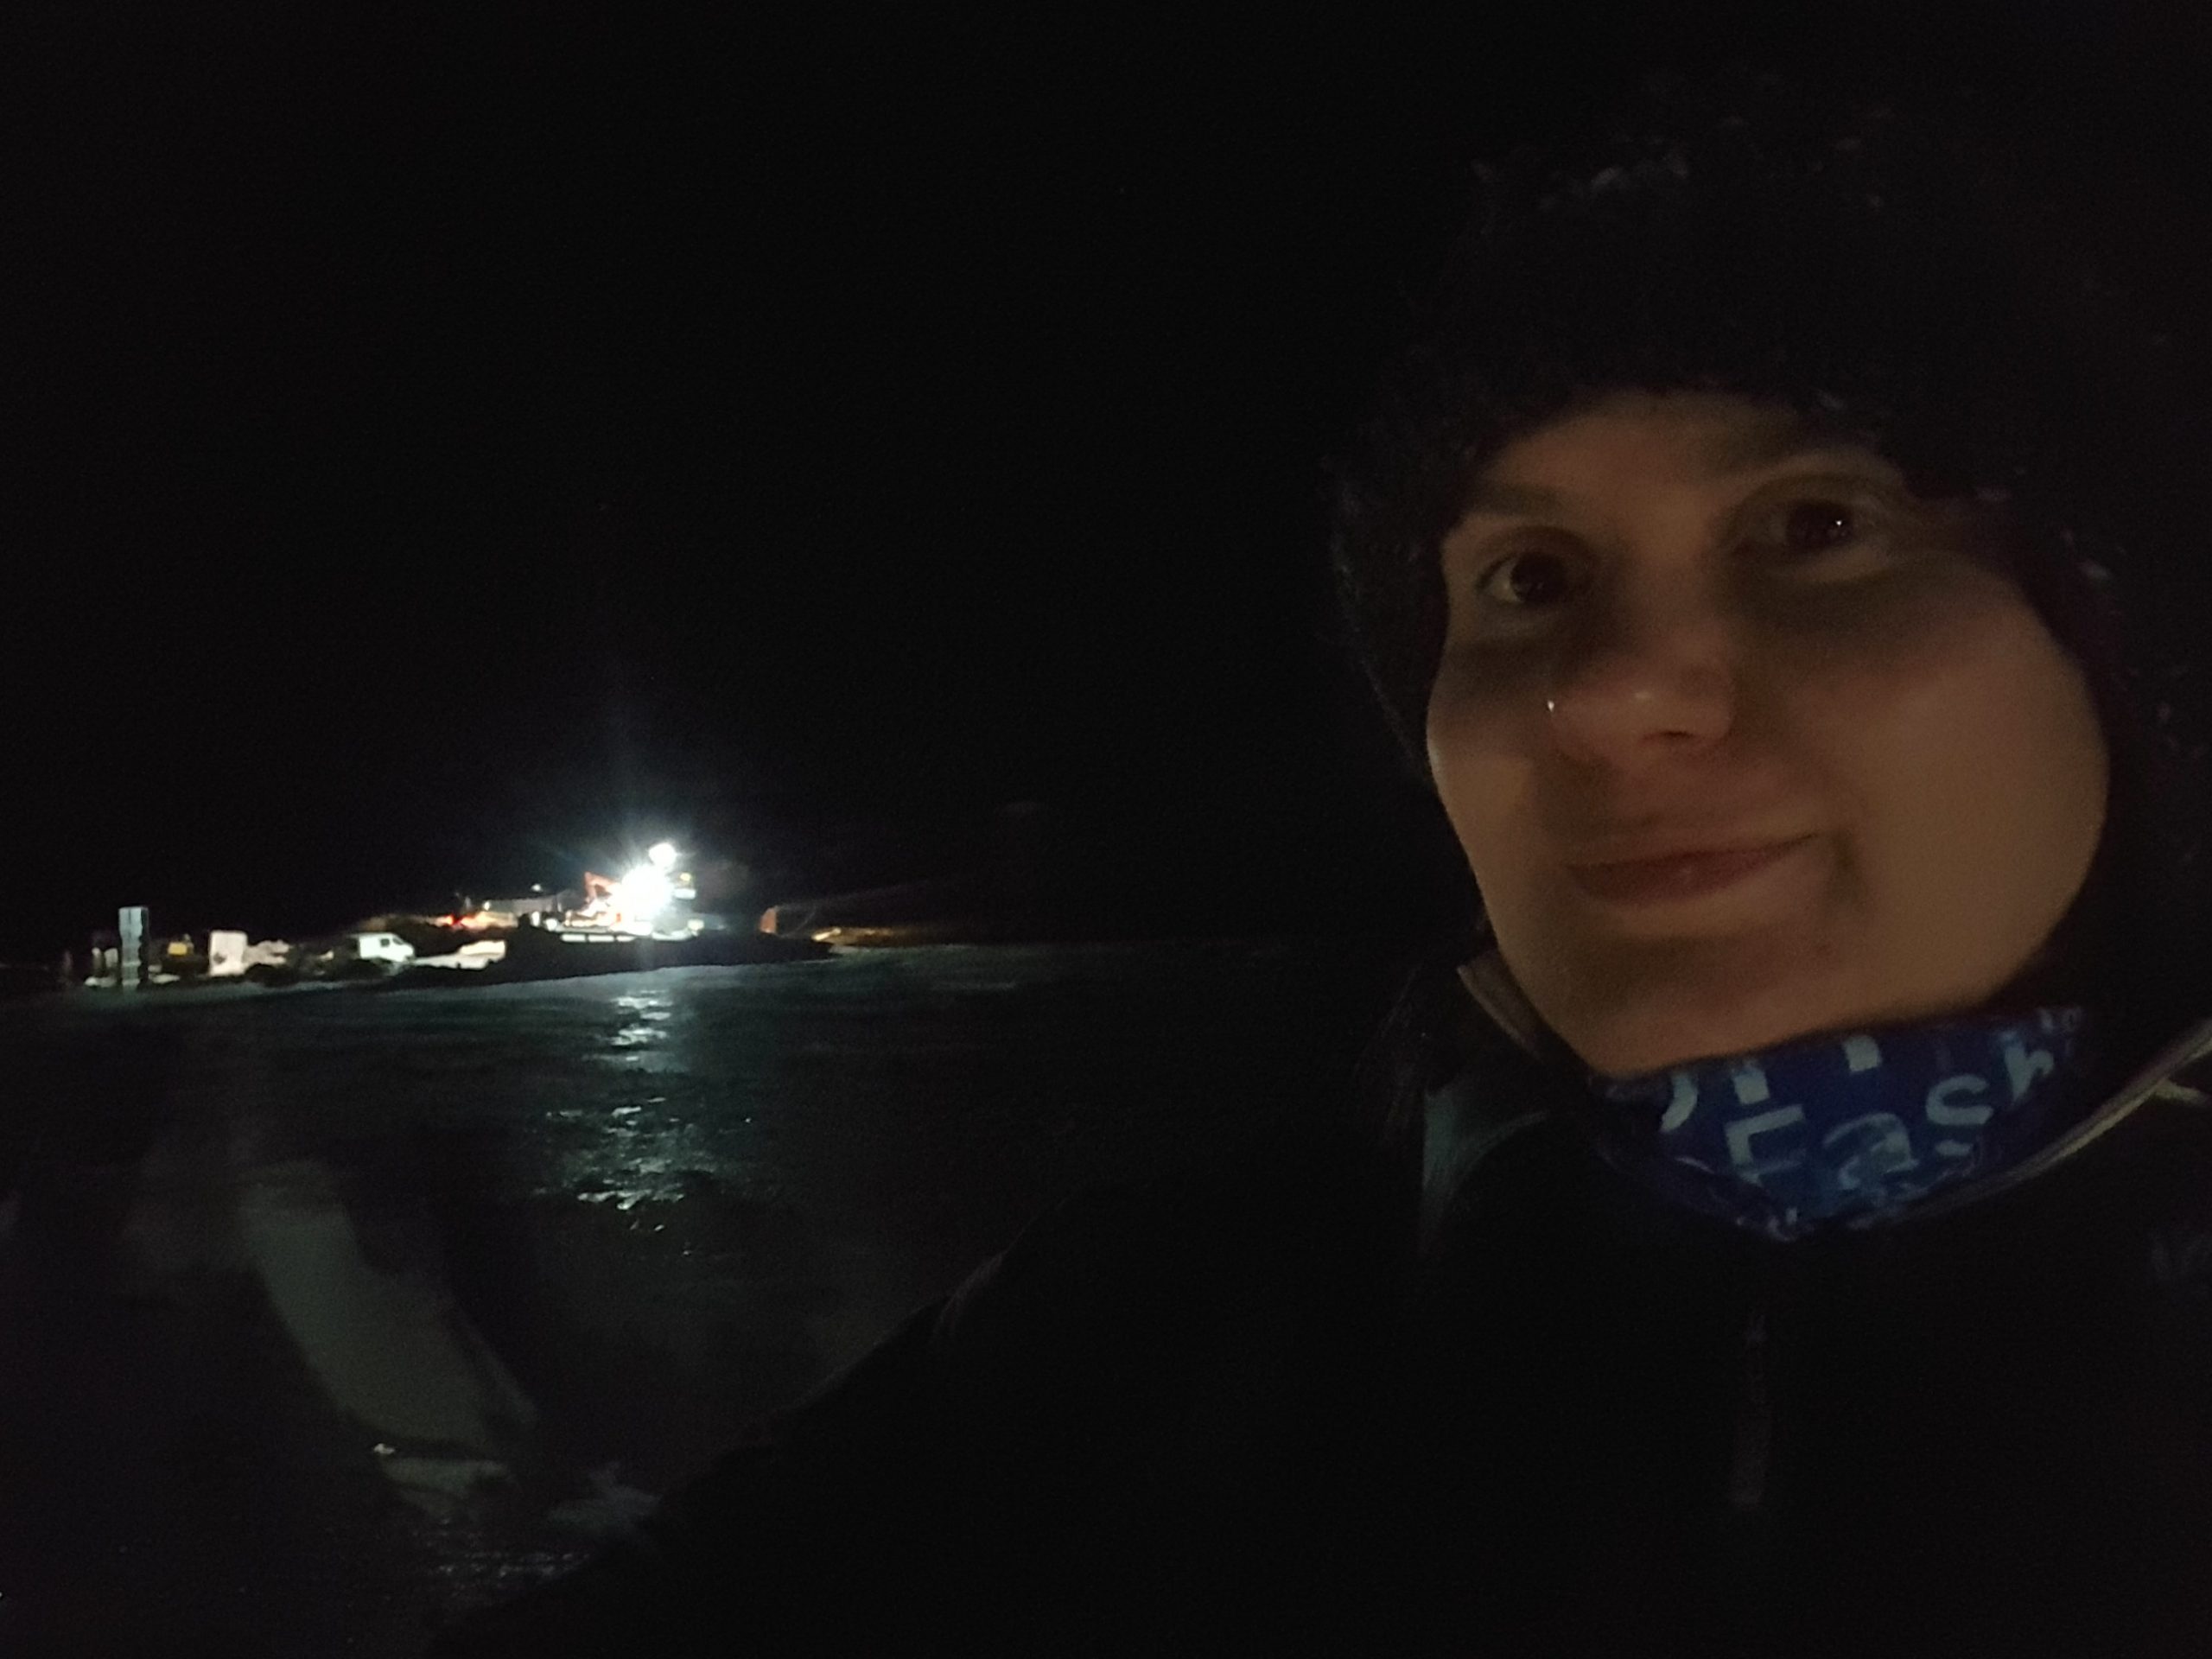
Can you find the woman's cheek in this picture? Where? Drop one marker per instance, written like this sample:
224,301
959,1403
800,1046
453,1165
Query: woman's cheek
1483,753
1902,624
1479,716
1475,679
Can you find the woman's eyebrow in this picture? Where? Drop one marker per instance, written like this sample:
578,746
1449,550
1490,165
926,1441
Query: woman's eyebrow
1768,444
1494,495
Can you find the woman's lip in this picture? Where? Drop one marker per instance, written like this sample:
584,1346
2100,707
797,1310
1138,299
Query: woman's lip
1654,880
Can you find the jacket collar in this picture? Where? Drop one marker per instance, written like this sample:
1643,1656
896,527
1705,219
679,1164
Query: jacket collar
2178,1074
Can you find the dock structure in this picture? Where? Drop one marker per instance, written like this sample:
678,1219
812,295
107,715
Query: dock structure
130,957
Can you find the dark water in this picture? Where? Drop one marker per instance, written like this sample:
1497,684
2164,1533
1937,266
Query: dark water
327,1313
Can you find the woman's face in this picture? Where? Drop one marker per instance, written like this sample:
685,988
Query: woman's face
1672,624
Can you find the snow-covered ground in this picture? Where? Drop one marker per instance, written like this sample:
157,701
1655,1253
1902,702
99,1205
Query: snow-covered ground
327,1315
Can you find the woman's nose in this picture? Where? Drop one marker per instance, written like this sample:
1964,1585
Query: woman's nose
1642,685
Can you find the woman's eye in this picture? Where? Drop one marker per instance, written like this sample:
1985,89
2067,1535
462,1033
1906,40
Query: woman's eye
1529,579
1800,530
1811,525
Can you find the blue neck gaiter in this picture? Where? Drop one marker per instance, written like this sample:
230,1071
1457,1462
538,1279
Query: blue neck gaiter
1847,1131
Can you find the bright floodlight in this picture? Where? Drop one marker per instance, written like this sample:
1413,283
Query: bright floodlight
643,894
663,855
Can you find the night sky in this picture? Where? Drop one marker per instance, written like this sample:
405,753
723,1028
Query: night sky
454,447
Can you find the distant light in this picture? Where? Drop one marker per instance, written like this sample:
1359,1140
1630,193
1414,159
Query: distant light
663,856
643,894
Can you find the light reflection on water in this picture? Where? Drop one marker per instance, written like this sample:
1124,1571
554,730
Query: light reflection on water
636,1152
629,1155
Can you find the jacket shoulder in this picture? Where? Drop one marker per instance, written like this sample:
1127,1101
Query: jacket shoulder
951,1462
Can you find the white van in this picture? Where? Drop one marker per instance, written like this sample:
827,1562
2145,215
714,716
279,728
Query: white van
383,947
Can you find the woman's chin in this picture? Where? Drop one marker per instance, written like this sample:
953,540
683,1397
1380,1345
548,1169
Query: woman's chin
1676,1030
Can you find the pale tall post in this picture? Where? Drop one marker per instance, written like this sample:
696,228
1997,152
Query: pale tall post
130,959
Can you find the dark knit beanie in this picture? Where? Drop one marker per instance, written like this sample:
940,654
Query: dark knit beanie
1930,277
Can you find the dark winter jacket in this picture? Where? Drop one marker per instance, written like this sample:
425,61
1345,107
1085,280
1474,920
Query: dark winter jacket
1328,1399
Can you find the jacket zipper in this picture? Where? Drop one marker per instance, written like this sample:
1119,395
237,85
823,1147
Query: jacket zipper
1745,1585
1754,1450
